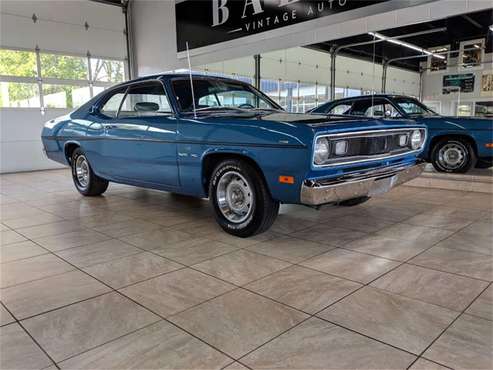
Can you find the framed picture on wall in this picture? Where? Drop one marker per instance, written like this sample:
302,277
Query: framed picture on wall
471,54
438,65
487,84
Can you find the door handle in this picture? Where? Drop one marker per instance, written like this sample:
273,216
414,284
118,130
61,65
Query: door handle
109,127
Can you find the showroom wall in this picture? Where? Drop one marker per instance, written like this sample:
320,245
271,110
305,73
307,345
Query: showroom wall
154,30
447,104
68,31
304,75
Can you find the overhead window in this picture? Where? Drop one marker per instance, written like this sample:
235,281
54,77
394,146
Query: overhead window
106,70
17,63
19,95
63,67
65,96
146,99
58,81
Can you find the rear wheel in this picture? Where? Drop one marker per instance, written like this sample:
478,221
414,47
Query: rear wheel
453,155
240,198
85,180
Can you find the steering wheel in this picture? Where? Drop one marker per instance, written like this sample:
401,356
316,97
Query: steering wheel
246,106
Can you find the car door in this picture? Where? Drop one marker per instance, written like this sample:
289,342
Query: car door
139,144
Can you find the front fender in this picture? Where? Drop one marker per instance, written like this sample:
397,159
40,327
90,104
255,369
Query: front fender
272,161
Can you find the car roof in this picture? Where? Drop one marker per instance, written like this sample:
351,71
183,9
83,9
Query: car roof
367,97
170,76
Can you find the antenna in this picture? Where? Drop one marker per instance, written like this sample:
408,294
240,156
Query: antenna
191,82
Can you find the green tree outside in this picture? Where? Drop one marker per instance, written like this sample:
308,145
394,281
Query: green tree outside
23,64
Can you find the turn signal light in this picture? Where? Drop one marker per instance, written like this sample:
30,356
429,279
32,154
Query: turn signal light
286,180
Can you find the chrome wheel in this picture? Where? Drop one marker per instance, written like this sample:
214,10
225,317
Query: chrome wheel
452,155
82,171
234,197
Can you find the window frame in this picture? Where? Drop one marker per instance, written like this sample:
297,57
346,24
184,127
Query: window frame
461,66
129,86
106,98
126,86
430,57
179,110
350,103
40,80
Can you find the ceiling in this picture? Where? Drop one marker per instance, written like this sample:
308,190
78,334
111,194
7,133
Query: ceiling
457,29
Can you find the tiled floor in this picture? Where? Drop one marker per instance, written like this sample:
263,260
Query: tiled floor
144,279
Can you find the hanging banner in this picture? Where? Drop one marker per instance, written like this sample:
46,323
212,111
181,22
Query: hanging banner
207,22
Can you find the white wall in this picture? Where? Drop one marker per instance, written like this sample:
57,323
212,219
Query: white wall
433,82
60,27
154,31
20,143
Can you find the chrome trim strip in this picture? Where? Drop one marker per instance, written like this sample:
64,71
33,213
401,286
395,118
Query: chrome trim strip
364,134
334,190
191,142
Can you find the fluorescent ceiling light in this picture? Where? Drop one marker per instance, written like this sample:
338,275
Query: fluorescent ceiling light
405,44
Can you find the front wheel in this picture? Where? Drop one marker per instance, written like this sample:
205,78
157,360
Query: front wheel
242,203
85,180
453,155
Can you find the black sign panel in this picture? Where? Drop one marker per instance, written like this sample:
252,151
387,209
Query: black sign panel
206,22
454,83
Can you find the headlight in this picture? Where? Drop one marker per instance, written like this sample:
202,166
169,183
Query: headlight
321,151
416,139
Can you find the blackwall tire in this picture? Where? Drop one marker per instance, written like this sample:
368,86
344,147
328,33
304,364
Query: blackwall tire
453,155
241,200
85,180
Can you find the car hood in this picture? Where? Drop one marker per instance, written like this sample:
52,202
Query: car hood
314,121
288,128
464,123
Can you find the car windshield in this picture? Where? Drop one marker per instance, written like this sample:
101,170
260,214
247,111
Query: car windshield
215,94
413,107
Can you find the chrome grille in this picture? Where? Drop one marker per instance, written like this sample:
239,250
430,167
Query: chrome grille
370,145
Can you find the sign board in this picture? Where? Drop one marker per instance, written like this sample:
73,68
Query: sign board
460,82
207,22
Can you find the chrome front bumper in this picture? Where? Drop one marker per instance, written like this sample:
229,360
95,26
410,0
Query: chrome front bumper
360,184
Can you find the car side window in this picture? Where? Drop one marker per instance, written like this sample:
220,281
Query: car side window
369,108
110,108
144,100
376,110
340,109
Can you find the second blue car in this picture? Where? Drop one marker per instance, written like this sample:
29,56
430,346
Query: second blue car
455,144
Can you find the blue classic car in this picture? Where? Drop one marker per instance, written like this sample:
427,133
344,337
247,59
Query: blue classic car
227,141
455,144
